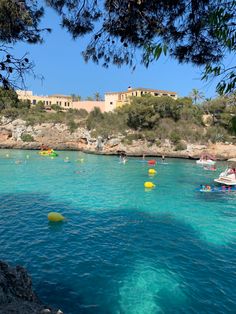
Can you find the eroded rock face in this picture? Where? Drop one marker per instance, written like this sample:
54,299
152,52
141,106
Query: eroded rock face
16,294
58,136
5,135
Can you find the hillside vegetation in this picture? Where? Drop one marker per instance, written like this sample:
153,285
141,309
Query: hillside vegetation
149,118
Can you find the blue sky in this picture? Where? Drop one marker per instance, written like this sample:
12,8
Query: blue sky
60,62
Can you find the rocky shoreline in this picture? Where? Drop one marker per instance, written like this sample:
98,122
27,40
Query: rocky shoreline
17,295
16,134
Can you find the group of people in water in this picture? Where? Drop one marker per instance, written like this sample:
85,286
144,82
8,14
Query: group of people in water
209,188
211,168
162,157
231,171
123,157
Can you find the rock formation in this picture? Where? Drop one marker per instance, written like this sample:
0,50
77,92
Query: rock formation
58,136
16,294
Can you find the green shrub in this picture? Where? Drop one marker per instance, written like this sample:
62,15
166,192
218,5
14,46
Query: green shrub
175,137
232,125
25,137
217,134
158,142
150,136
56,107
180,146
72,126
126,141
10,113
39,106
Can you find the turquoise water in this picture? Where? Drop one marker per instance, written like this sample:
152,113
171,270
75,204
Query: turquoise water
122,249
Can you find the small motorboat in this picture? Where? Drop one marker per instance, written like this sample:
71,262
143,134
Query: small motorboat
228,177
206,160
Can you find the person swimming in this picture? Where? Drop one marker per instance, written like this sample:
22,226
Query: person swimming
17,162
124,160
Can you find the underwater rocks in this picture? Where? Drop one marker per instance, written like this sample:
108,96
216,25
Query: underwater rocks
16,294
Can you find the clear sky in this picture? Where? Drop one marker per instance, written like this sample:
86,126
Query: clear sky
60,62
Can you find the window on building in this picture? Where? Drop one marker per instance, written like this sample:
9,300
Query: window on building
46,102
50,102
60,103
172,95
165,94
111,102
156,94
57,103
34,102
136,94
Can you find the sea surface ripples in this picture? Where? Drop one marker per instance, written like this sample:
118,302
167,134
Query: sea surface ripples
122,249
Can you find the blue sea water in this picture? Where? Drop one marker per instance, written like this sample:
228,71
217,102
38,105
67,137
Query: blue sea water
122,249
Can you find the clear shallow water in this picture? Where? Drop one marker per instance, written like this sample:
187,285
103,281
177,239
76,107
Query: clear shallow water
122,250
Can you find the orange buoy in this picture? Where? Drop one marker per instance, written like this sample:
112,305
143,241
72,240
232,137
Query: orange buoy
152,162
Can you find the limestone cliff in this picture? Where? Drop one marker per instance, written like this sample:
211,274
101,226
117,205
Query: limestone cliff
58,136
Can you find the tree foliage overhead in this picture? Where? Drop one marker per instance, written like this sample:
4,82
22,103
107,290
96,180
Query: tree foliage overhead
19,21
198,31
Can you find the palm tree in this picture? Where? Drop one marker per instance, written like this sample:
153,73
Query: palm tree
196,95
97,96
89,98
75,97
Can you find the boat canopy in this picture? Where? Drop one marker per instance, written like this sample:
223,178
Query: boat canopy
206,155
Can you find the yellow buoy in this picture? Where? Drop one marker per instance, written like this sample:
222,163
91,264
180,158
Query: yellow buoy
152,171
149,185
55,217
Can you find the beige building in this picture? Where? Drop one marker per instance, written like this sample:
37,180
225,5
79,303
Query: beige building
112,100
63,101
118,99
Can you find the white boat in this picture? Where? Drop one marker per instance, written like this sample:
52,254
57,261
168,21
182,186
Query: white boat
228,177
205,162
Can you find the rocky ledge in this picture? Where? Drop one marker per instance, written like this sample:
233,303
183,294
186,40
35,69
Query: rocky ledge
16,294
17,134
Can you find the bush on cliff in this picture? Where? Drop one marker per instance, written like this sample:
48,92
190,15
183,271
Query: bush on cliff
8,98
180,146
25,137
217,134
151,118
106,124
72,125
